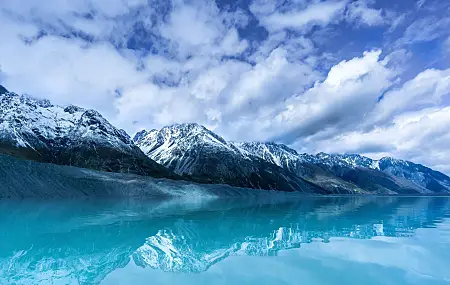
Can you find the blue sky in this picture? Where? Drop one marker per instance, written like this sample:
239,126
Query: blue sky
364,76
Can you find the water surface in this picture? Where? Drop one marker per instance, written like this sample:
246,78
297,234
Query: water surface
354,240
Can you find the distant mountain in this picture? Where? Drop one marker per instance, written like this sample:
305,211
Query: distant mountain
352,171
38,130
191,149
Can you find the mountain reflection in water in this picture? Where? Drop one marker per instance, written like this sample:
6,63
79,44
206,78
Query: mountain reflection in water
91,241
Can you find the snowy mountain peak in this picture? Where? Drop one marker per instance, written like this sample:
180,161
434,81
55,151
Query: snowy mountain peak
193,130
139,136
278,154
178,136
71,109
183,147
36,129
177,142
27,120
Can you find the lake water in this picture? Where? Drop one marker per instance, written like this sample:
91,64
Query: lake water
354,240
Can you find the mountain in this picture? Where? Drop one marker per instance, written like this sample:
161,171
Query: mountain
21,178
37,130
352,171
302,165
68,135
191,149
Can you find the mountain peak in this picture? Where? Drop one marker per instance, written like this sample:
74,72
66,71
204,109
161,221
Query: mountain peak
139,135
72,109
190,127
194,131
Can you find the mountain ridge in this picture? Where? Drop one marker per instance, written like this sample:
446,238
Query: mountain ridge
35,129
192,149
335,173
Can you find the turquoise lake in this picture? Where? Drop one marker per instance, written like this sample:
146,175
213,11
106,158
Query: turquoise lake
334,240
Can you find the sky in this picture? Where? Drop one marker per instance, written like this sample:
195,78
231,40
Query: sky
339,76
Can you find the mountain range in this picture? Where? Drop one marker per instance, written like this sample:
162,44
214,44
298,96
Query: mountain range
194,150
37,130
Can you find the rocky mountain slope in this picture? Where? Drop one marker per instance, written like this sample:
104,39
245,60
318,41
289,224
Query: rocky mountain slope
192,149
360,173
21,178
38,130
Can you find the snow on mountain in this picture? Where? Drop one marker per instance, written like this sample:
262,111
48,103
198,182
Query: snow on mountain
183,147
171,145
194,150
278,154
36,129
389,172
27,120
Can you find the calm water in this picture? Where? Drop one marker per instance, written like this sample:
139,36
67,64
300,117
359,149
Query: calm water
363,240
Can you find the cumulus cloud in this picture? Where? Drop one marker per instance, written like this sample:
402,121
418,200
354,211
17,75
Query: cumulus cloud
316,13
349,92
66,71
427,89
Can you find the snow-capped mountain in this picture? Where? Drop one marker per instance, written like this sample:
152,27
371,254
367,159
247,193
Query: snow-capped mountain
36,129
357,171
193,150
69,135
170,145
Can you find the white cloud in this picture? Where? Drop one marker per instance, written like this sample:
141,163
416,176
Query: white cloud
192,25
56,8
65,70
201,29
319,13
360,12
425,29
231,45
425,90
349,92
